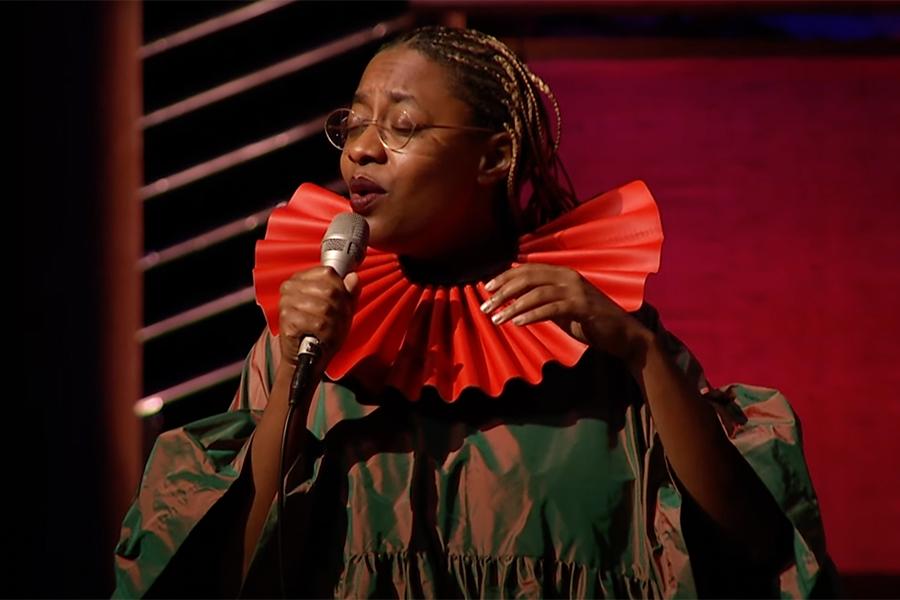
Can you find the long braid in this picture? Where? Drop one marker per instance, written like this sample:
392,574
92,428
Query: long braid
505,94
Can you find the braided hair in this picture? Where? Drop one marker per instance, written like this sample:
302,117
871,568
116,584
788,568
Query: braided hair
504,95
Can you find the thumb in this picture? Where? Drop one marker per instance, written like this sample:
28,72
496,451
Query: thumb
351,282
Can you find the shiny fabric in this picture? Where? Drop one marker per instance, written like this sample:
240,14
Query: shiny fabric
554,490
408,334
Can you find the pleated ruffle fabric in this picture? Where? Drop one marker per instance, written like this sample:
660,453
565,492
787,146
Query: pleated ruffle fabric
409,336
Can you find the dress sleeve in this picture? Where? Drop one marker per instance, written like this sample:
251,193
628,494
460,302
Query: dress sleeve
764,428
187,496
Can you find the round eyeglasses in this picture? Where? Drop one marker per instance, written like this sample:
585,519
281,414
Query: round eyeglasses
343,125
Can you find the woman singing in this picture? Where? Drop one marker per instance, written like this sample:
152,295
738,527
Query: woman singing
497,414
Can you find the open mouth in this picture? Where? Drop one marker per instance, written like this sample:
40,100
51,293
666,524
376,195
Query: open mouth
364,193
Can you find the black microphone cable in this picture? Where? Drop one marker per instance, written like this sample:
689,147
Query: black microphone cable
307,356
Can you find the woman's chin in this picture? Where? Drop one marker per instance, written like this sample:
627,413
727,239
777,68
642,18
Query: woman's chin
386,236
381,239
393,245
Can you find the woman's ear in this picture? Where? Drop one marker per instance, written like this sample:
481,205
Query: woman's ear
496,161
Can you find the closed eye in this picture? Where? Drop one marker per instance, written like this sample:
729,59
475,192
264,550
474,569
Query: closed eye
403,129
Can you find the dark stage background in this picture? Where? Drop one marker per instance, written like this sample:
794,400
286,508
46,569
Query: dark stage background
158,136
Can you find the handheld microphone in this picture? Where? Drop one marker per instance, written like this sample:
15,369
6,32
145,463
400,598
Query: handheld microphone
343,249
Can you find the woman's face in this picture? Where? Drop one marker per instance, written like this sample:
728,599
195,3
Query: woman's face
428,199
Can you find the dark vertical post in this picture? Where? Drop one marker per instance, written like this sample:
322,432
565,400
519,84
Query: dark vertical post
120,176
77,237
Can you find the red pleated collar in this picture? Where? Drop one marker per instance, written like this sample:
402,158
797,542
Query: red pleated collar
407,335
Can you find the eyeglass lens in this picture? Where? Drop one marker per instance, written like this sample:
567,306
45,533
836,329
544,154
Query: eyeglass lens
344,125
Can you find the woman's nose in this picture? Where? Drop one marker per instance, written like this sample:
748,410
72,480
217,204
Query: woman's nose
366,147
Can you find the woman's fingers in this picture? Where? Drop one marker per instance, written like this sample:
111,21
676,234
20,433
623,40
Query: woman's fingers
518,280
551,311
526,286
351,284
322,281
316,302
534,297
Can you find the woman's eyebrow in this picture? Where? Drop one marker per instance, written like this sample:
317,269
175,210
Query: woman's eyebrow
400,96
394,95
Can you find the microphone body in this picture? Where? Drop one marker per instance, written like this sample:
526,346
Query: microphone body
343,249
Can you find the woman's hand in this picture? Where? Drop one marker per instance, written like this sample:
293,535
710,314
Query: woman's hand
536,292
316,302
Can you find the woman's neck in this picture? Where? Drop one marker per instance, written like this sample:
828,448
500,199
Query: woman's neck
471,263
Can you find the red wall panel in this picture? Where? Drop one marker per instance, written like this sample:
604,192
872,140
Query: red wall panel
778,183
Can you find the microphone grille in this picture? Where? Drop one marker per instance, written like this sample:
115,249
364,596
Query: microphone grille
332,244
348,235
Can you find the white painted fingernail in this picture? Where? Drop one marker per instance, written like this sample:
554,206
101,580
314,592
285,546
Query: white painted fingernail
486,307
